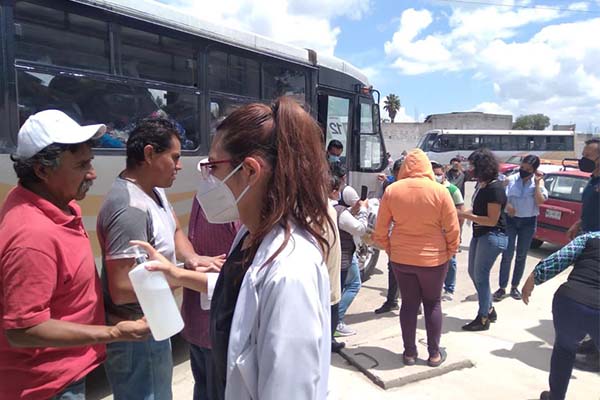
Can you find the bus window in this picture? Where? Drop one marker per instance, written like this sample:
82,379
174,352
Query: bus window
427,141
338,110
221,107
230,73
491,142
559,143
371,152
283,81
54,37
366,118
445,143
471,142
160,58
118,105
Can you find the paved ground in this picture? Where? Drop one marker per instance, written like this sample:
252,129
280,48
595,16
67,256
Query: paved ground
510,361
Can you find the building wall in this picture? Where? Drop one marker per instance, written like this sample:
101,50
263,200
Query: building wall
469,120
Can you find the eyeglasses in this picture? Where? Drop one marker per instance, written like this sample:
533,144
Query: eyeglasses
206,166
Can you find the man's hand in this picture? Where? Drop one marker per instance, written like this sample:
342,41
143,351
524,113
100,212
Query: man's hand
205,263
528,288
381,177
538,178
510,210
574,230
131,331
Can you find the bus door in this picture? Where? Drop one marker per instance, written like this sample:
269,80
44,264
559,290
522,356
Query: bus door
334,115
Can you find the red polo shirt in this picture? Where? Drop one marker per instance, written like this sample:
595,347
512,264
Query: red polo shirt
47,271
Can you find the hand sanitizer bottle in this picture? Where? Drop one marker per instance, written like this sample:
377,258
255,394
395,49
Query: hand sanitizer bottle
155,298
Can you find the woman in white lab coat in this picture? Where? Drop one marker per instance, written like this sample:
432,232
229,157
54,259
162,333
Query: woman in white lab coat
270,314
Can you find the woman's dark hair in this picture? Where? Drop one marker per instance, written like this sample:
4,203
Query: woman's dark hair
48,157
334,143
335,183
485,165
290,140
157,132
532,160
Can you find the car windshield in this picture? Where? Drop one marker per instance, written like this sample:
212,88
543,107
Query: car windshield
564,187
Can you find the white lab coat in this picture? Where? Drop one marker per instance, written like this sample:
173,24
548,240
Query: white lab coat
280,342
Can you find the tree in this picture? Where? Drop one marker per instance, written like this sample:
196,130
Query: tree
537,122
391,105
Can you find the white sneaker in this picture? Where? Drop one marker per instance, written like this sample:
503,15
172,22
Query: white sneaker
343,330
447,296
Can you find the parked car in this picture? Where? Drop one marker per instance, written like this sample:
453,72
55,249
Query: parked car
512,164
563,207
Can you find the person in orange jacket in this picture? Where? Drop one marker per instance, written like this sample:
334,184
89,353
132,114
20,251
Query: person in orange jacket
424,236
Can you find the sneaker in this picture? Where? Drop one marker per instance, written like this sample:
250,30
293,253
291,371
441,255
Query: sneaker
447,296
499,294
515,294
587,346
493,315
386,307
478,324
343,330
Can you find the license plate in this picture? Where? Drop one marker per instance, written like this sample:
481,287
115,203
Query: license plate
553,214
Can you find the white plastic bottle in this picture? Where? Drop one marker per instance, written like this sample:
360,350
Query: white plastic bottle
156,299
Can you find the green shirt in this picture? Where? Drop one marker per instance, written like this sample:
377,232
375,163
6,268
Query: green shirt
457,197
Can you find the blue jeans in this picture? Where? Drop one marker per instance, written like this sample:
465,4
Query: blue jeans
202,369
521,231
75,391
450,281
572,321
140,370
350,287
483,252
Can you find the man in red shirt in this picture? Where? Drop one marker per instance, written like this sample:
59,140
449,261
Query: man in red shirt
52,331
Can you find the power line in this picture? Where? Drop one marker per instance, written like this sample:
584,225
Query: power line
538,7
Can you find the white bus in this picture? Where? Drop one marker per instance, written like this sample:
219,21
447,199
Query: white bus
114,62
444,144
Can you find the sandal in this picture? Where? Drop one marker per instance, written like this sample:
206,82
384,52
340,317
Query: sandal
443,356
409,360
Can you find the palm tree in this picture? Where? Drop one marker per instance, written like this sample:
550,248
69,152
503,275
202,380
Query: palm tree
392,105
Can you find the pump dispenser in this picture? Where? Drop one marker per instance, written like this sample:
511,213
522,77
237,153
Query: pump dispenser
155,298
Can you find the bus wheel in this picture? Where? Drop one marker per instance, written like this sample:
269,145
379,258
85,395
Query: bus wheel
536,243
367,260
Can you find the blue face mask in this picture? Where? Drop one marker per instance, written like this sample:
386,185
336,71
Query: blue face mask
333,159
391,178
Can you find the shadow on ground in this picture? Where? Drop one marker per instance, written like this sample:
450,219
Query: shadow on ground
530,353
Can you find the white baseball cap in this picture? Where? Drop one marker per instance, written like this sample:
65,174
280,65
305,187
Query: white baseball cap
52,126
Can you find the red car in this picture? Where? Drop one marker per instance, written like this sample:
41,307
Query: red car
563,207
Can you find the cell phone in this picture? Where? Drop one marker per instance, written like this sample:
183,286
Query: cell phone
364,191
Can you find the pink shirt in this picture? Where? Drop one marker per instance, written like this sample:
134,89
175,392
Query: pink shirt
208,240
47,271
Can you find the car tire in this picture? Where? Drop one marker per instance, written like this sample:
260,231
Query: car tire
536,243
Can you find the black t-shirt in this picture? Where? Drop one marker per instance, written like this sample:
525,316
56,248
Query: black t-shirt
493,192
225,295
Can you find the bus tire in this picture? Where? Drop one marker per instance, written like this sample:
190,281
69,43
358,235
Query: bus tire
536,243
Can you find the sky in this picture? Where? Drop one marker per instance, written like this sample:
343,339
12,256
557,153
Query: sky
499,56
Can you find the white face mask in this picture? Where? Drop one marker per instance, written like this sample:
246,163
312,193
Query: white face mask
217,201
439,178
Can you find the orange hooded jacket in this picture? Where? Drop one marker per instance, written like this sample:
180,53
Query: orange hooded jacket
425,230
